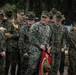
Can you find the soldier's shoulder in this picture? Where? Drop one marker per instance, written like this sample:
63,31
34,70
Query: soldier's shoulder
23,28
9,23
35,25
52,25
71,32
16,21
64,27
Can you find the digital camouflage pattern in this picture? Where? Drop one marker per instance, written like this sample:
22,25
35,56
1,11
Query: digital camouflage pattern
19,23
71,41
12,45
16,53
57,42
2,48
24,46
39,35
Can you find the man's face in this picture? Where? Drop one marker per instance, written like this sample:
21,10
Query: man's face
45,20
30,21
58,21
20,16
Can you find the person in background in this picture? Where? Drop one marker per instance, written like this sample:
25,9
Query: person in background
71,43
39,37
24,43
2,45
58,36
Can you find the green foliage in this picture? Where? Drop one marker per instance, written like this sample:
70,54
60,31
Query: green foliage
13,7
7,7
10,7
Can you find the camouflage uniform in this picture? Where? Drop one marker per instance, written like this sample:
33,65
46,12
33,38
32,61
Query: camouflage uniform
2,45
39,35
72,52
2,48
10,42
15,53
13,28
19,23
11,45
24,43
62,63
56,44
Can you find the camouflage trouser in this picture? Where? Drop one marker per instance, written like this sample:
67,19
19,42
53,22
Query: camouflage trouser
24,61
72,61
62,63
34,58
2,66
24,65
55,63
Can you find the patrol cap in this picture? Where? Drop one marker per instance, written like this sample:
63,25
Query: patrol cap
45,14
31,16
59,15
20,11
54,10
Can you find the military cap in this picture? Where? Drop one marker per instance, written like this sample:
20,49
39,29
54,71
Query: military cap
30,16
45,14
20,11
54,10
59,15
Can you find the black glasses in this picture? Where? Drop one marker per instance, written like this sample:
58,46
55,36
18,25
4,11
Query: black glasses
43,16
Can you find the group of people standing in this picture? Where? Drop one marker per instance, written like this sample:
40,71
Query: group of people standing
22,41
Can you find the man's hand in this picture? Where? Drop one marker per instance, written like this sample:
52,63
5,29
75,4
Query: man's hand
25,55
2,29
62,50
42,47
3,54
8,35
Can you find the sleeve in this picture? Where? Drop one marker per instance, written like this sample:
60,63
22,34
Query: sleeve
22,37
64,38
2,42
34,35
51,36
70,40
